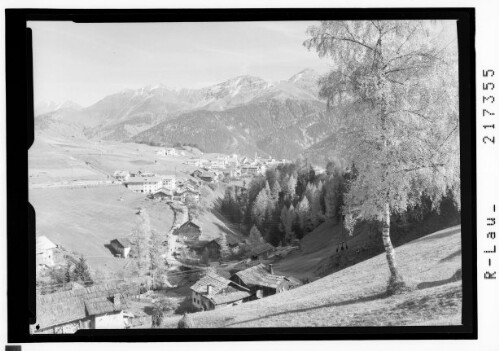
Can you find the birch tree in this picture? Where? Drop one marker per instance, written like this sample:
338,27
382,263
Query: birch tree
394,91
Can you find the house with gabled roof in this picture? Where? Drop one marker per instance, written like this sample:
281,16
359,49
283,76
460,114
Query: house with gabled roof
262,281
189,231
147,185
163,193
96,307
261,251
122,246
214,291
44,252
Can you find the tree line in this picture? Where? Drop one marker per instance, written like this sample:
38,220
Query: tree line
289,201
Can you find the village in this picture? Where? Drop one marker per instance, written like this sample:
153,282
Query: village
227,270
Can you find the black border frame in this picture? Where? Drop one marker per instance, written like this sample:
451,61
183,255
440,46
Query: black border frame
21,216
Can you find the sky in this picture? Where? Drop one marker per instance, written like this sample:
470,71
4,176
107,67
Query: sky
83,62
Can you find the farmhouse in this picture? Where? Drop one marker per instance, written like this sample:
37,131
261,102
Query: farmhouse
189,231
143,184
213,249
121,175
213,291
263,282
208,177
163,193
96,307
122,246
261,251
168,181
44,252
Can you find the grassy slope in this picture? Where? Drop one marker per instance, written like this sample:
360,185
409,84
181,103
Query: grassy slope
84,220
54,160
355,296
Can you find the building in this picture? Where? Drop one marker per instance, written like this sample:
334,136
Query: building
214,291
208,177
96,307
261,251
44,252
170,151
262,281
163,194
121,246
189,231
213,249
168,181
190,195
217,164
232,173
121,175
143,184
252,169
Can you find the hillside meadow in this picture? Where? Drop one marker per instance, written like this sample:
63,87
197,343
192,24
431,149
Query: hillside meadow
355,296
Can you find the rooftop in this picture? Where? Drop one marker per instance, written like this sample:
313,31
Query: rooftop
229,297
66,306
260,276
261,248
124,242
43,243
217,282
143,180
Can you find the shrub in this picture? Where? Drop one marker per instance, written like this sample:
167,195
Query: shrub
186,322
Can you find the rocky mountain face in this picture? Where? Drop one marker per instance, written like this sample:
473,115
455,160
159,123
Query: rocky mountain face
244,114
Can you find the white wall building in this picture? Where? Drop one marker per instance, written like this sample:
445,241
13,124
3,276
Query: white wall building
168,182
146,185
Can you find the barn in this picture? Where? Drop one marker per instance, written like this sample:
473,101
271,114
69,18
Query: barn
214,291
261,251
122,246
262,281
189,231
96,307
44,252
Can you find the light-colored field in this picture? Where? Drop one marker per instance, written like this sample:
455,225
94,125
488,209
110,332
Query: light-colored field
83,220
355,296
56,160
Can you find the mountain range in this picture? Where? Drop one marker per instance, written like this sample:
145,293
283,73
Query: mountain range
245,114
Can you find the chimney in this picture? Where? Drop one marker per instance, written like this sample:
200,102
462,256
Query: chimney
271,269
209,289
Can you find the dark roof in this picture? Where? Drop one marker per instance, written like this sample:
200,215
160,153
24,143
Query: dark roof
100,305
124,242
67,306
260,276
207,175
164,191
186,224
261,248
143,180
217,282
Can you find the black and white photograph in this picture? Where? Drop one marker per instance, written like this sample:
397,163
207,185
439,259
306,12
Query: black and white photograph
246,174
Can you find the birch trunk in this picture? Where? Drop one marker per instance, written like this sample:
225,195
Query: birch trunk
396,283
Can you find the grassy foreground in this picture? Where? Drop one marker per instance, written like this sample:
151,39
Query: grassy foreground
355,296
